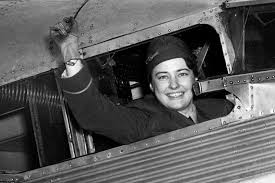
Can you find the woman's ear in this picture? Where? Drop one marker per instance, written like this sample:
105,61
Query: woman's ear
151,87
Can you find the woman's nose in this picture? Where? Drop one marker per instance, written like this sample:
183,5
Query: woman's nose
174,83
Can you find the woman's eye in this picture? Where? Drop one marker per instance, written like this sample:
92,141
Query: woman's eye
162,77
183,74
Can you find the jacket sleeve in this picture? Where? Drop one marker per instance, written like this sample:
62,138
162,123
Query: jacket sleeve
96,113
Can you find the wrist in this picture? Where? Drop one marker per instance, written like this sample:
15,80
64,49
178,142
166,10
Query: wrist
72,62
73,66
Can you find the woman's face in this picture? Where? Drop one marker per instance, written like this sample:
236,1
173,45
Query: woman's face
172,83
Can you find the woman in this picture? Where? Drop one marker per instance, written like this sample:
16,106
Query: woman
171,70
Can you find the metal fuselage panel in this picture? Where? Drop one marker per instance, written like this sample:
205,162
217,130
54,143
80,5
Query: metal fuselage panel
231,153
24,33
26,49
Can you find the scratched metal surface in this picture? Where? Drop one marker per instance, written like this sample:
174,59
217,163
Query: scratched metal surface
24,27
209,152
24,35
101,21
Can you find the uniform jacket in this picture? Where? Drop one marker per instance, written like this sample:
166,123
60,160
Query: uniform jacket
140,119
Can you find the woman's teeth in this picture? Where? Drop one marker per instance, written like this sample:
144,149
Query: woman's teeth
175,94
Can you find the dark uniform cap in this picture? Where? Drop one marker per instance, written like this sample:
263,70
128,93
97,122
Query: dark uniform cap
166,48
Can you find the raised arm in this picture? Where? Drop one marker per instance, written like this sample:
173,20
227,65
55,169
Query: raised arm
92,110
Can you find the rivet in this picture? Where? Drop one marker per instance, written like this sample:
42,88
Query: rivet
146,145
109,155
169,30
238,81
273,76
259,79
244,81
251,87
196,131
251,115
231,82
239,107
267,77
159,33
121,151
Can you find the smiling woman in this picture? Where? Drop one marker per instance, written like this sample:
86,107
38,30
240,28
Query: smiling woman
171,69
172,82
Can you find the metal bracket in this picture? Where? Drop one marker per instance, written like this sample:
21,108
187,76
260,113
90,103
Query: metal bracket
253,93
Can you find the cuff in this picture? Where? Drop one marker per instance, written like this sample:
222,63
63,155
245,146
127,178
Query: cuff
78,82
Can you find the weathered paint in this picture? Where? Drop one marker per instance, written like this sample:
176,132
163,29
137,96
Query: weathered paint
24,34
100,21
24,28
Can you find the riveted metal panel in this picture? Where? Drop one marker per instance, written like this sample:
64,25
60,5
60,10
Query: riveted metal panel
105,20
210,17
209,152
24,34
